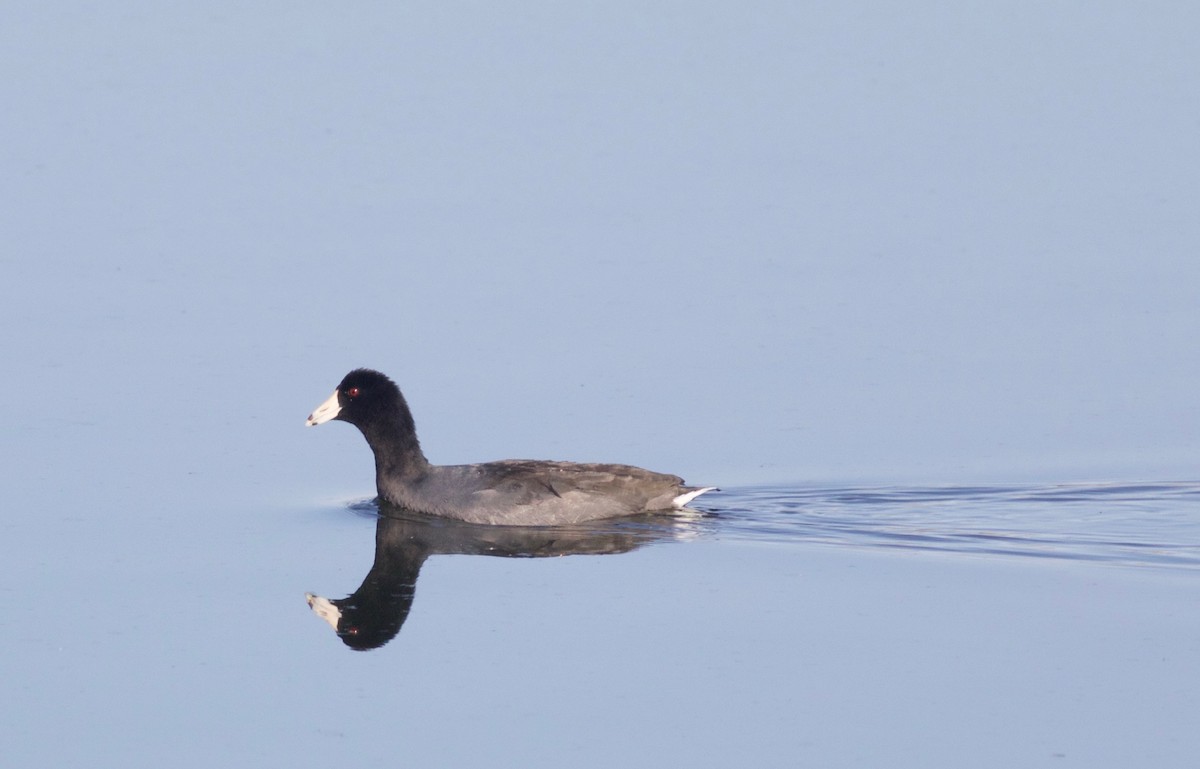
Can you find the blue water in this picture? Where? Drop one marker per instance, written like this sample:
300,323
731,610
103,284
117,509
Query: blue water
1134,524
838,625
744,245
1000,626
1146,525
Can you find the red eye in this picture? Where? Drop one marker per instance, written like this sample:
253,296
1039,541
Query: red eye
352,392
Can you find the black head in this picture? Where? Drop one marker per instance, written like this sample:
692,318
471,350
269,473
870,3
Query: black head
363,397
372,403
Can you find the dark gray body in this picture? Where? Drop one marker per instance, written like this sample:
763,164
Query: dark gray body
530,492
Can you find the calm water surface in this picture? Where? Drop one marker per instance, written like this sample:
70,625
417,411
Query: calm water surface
1133,525
741,245
832,626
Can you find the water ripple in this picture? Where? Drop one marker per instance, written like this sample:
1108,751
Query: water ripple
1155,524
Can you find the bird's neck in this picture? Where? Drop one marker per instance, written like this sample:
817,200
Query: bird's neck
397,451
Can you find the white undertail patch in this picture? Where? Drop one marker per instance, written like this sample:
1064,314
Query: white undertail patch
682,500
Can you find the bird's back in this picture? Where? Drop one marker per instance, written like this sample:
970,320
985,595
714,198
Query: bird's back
534,492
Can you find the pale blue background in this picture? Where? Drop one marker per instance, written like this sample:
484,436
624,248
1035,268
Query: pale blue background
793,242
774,242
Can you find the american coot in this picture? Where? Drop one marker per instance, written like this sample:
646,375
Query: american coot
517,491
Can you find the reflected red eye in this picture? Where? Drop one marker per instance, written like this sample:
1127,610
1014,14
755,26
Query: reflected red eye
352,392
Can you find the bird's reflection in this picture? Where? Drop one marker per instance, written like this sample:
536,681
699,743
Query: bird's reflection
373,614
